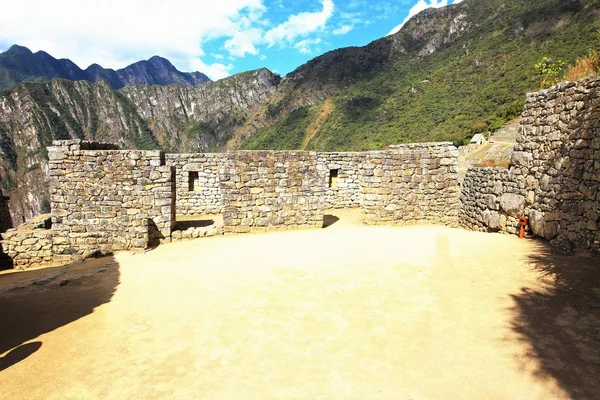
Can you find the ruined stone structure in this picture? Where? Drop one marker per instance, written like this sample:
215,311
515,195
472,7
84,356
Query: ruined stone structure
197,178
104,199
555,174
411,184
31,244
341,174
267,190
109,199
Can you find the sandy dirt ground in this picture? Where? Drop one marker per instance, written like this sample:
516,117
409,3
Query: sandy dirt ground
346,312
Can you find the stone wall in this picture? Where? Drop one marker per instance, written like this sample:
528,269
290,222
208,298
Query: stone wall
30,245
411,184
29,248
266,190
487,201
555,174
341,174
197,180
105,199
108,200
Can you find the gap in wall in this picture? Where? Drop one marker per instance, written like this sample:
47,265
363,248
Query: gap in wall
193,181
333,177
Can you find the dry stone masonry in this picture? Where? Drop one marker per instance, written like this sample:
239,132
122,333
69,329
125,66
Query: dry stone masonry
555,174
411,184
104,199
197,177
266,190
487,203
341,172
31,244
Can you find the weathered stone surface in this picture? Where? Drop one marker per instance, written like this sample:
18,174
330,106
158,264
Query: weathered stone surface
479,205
555,177
28,247
493,220
197,181
344,190
291,195
537,223
103,198
522,158
563,246
512,204
411,184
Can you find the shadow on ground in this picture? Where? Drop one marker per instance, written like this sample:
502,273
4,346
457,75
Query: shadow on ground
36,302
561,323
18,354
329,220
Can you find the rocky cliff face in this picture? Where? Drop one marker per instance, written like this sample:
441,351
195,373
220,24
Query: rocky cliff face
447,72
186,119
175,118
336,71
19,64
421,35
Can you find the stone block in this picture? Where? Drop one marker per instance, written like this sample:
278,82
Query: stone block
512,204
537,223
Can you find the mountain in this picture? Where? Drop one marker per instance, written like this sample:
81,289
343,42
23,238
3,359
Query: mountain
448,73
175,118
19,64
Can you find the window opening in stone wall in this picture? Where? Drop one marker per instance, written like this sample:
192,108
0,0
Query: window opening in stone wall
333,177
193,182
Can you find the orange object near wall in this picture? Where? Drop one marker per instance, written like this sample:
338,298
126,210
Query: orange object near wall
523,221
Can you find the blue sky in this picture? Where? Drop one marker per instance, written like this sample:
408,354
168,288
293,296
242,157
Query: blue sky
218,38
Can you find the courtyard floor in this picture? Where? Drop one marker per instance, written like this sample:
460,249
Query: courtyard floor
346,312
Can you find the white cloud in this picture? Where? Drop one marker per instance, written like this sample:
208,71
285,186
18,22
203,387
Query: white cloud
214,71
305,46
243,43
357,4
342,30
300,24
420,6
115,33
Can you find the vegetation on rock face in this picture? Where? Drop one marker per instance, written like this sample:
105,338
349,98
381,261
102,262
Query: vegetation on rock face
448,74
549,71
586,65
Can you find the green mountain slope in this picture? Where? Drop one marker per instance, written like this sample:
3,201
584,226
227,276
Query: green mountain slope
448,73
